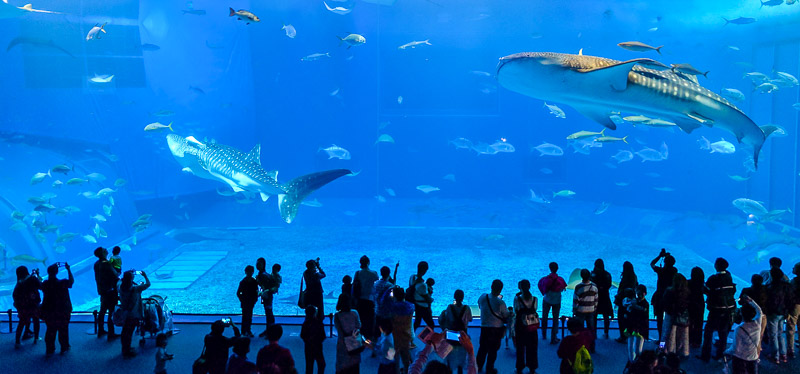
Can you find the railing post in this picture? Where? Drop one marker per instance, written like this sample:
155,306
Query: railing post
330,316
10,324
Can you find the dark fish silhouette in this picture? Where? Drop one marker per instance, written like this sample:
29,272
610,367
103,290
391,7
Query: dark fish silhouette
37,42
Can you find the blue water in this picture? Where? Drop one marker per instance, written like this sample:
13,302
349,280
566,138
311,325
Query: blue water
225,82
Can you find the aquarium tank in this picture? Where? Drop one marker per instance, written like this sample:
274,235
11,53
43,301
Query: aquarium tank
487,138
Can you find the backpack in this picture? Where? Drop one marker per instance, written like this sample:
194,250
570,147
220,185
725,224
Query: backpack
583,362
526,315
411,291
452,321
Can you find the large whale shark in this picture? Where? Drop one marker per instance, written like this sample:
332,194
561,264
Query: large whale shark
597,87
243,172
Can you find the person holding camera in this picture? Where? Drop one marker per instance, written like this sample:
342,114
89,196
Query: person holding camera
106,279
665,274
218,345
57,308
26,299
130,296
314,293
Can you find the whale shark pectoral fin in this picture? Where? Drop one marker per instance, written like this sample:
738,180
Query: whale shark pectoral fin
264,197
703,120
686,125
598,115
615,75
228,181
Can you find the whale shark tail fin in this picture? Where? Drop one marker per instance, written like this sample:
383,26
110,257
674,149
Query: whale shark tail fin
768,130
298,188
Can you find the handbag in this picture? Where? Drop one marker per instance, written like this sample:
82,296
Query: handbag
301,297
200,366
354,343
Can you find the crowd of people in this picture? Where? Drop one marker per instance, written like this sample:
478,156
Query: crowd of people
375,312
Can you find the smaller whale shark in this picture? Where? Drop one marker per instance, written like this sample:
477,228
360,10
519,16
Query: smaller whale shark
597,87
10,11
243,172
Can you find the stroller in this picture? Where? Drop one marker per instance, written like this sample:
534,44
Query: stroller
157,318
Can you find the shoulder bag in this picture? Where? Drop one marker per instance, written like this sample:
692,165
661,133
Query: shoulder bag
301,297
200,366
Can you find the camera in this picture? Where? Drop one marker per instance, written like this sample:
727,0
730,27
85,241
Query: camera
227,321
61,264
35,271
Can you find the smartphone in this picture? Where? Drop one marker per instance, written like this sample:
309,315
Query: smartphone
453,336
226,320
426,334
60,264
661,345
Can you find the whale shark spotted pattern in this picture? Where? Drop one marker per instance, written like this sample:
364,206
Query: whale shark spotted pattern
598,87
243,172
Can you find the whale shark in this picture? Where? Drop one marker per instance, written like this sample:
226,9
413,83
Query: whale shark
598,87
243,172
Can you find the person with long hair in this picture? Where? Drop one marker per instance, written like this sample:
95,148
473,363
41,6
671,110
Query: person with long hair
628,280
602,279
676,322
525,325
347,323
313,279
697,305
27,299
130,296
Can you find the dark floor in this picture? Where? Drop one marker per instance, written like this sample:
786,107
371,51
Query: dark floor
92,355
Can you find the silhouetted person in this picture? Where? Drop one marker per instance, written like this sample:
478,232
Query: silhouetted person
794,312
628,280
269,283
363,283
130,296
57,308
272,358
721,305
578,337
525,325
779,300
602,279
380,291
746,339
584,302
116,260
697,306
218,346
27,299
758,293
347,323
676,322
456,317
106,279
313,279
421,298
238,362
551,287
402,312
313,334
774,263
638,320
161,354
494,315
663,281
248,297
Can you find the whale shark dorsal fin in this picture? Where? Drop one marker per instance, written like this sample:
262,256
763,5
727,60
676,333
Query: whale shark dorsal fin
193,140
264,197
616,75
28,7
255,154
273,174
